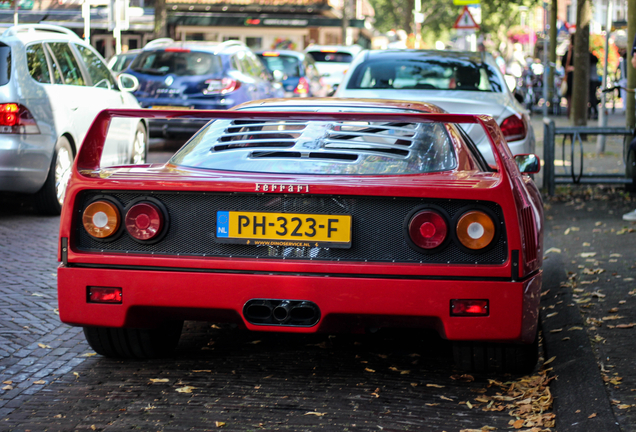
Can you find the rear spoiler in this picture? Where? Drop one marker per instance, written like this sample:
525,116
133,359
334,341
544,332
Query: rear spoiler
90,152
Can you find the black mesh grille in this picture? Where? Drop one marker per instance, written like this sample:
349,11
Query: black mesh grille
378,233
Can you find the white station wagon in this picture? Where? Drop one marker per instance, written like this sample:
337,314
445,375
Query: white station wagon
52,85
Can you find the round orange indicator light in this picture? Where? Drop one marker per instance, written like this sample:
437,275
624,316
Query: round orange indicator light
475,230
101,219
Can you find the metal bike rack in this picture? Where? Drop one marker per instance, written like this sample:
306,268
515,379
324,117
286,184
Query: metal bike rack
573,135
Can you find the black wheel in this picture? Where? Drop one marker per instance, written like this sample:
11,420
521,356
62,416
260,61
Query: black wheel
494,357
50,197
139,151
134,343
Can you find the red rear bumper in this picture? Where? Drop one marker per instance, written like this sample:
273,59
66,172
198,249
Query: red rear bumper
345,302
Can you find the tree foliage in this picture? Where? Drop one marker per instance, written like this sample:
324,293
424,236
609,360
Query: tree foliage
440,15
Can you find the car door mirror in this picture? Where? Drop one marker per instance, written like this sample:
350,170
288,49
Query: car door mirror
333,90
528,163
127,82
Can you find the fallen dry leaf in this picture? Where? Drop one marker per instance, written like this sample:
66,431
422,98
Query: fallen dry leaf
592,415
463,377
434,385
41,345
159,380
587,254
445,398
7,387
553,250
186,389
88,355
219,424
319,414
575,328
39,382
550,360
556,330
369,370
625,326
7,382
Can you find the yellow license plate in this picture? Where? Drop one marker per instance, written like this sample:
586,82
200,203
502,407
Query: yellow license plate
283,229
167,107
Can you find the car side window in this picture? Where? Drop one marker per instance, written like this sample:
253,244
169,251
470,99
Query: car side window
37,64
66,64
99,73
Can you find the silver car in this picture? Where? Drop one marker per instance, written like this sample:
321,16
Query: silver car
458,82
52,85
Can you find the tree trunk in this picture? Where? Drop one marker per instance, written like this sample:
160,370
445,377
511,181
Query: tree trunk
630,115
581,80
161,19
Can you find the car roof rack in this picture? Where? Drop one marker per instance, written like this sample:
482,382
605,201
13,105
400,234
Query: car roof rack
159,42
21,28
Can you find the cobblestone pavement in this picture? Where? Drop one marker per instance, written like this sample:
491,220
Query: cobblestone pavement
35,348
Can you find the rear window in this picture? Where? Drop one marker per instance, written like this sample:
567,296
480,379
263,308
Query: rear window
319,147
290,66
180,63
5,64
331,56
432,73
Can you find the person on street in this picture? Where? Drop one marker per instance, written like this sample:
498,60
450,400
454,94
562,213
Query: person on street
631,216
568,66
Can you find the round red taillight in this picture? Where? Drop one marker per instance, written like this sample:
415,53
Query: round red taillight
144,221
428,229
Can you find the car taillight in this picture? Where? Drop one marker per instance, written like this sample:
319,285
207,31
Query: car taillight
101,219
104,294
303,87
16,119
514,128
221,86
467,307
144,221
428,229
475,230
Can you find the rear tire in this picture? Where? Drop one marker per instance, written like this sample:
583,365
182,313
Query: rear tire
494,357
134,343
49,199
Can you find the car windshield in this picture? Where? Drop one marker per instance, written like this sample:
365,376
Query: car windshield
177,62
287,64
331,56
430,73
320,147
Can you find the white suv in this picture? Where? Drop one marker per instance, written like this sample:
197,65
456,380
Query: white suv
52,85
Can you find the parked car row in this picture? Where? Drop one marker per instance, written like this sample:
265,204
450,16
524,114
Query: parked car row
54,84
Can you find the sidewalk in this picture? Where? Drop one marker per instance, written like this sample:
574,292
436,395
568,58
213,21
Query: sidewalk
589,308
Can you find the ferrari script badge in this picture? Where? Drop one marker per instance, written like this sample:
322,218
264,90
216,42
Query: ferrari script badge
281,188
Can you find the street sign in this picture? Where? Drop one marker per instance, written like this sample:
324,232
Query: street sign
465,2
465,21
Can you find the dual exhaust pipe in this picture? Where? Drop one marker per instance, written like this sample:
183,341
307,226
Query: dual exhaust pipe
299,313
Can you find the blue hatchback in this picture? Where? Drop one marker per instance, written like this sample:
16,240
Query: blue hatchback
198,75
